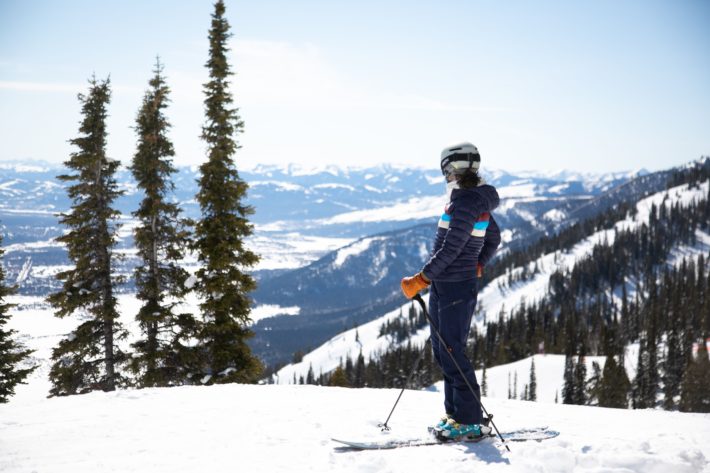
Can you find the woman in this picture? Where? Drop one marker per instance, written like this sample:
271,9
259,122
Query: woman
466,240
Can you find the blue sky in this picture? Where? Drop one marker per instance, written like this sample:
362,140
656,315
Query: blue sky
590,86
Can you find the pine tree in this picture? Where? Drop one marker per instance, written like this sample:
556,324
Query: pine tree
568,386
165,355
592,386
532,393
360,371
579,395
674,363
310,378
695,388
220,233
12,354
88,287
339,378
614,385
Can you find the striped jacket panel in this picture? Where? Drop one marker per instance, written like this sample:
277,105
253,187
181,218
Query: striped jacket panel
467,234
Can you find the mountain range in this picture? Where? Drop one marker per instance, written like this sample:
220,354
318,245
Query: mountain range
334,241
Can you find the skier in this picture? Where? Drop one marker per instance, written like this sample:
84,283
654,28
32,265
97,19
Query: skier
466,239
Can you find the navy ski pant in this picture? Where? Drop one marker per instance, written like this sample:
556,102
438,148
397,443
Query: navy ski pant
451,306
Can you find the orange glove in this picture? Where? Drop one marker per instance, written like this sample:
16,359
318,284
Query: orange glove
479,270
411,286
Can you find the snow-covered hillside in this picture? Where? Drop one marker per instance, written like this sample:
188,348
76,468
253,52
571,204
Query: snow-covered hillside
498,296
228,428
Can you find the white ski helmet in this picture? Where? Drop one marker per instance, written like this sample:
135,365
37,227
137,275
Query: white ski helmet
459,158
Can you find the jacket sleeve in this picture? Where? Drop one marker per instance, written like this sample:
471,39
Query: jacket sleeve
459,231
490,242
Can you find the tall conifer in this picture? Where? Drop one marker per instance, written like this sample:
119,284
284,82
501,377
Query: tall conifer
222,280
579,395
164,356
568,385
12,354
89,358
614,385
532,393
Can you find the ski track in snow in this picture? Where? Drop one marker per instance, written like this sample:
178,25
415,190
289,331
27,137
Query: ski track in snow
288,428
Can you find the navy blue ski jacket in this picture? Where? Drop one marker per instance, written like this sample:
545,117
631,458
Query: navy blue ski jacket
467,235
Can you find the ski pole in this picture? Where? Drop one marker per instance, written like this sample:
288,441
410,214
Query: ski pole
419,299
406,383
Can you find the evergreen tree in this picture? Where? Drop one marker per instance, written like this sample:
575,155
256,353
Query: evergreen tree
510,392
568,386
614,385
593,384
12,354
220,233
532,393
89,359
360,371
164,356
339,378
674,363
695,389
579,395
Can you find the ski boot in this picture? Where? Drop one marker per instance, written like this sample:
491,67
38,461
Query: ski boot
466,432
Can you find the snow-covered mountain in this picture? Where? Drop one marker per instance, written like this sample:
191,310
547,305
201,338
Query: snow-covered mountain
305,220
500,295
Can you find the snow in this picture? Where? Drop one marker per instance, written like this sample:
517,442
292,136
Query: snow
291,250
25,271
517,189
350,343
353,250
277,185
498,296
549,373
687,252
275,428
270,310
554,215
334,186
24,167
414,208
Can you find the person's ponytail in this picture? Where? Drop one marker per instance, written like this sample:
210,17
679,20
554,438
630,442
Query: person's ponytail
469,179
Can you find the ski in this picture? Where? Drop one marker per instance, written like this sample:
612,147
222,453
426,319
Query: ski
522,435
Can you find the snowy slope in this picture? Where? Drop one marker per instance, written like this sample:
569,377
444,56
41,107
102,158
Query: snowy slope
498,295
350,343
288,428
